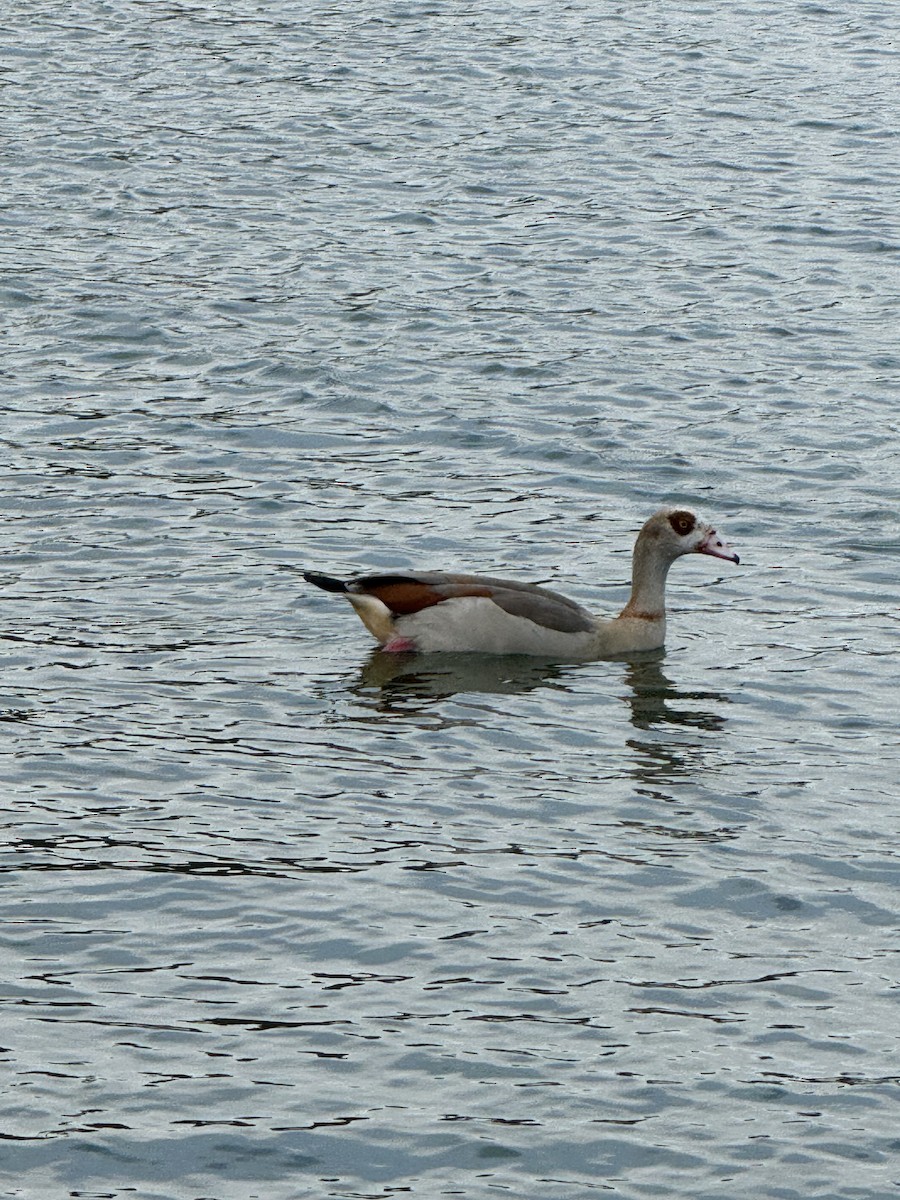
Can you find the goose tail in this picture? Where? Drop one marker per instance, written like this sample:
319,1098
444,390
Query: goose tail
326,582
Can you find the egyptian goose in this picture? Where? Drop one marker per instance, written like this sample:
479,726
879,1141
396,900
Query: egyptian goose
476,613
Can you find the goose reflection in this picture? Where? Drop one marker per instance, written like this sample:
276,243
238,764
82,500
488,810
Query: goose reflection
663,749
656,700
652,697
437,676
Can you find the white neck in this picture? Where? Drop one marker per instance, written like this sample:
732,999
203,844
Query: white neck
648,583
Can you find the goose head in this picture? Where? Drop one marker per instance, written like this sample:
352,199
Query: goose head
672,532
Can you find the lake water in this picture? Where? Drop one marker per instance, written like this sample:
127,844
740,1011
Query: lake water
420,284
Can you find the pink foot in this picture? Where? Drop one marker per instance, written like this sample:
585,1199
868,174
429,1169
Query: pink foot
399,645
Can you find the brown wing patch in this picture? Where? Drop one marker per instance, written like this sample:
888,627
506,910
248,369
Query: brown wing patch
682,522
404,596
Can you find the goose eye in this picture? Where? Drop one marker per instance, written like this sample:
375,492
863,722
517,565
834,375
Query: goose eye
682,522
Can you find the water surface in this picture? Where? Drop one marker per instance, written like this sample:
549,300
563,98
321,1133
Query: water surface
419,284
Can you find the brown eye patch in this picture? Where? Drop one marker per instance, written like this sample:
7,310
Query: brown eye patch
682,522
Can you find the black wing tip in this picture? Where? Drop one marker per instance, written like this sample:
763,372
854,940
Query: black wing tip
369,582
326,582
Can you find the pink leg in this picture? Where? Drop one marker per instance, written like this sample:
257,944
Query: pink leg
399,645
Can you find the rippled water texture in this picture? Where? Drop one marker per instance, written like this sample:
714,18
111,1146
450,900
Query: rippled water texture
354,287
